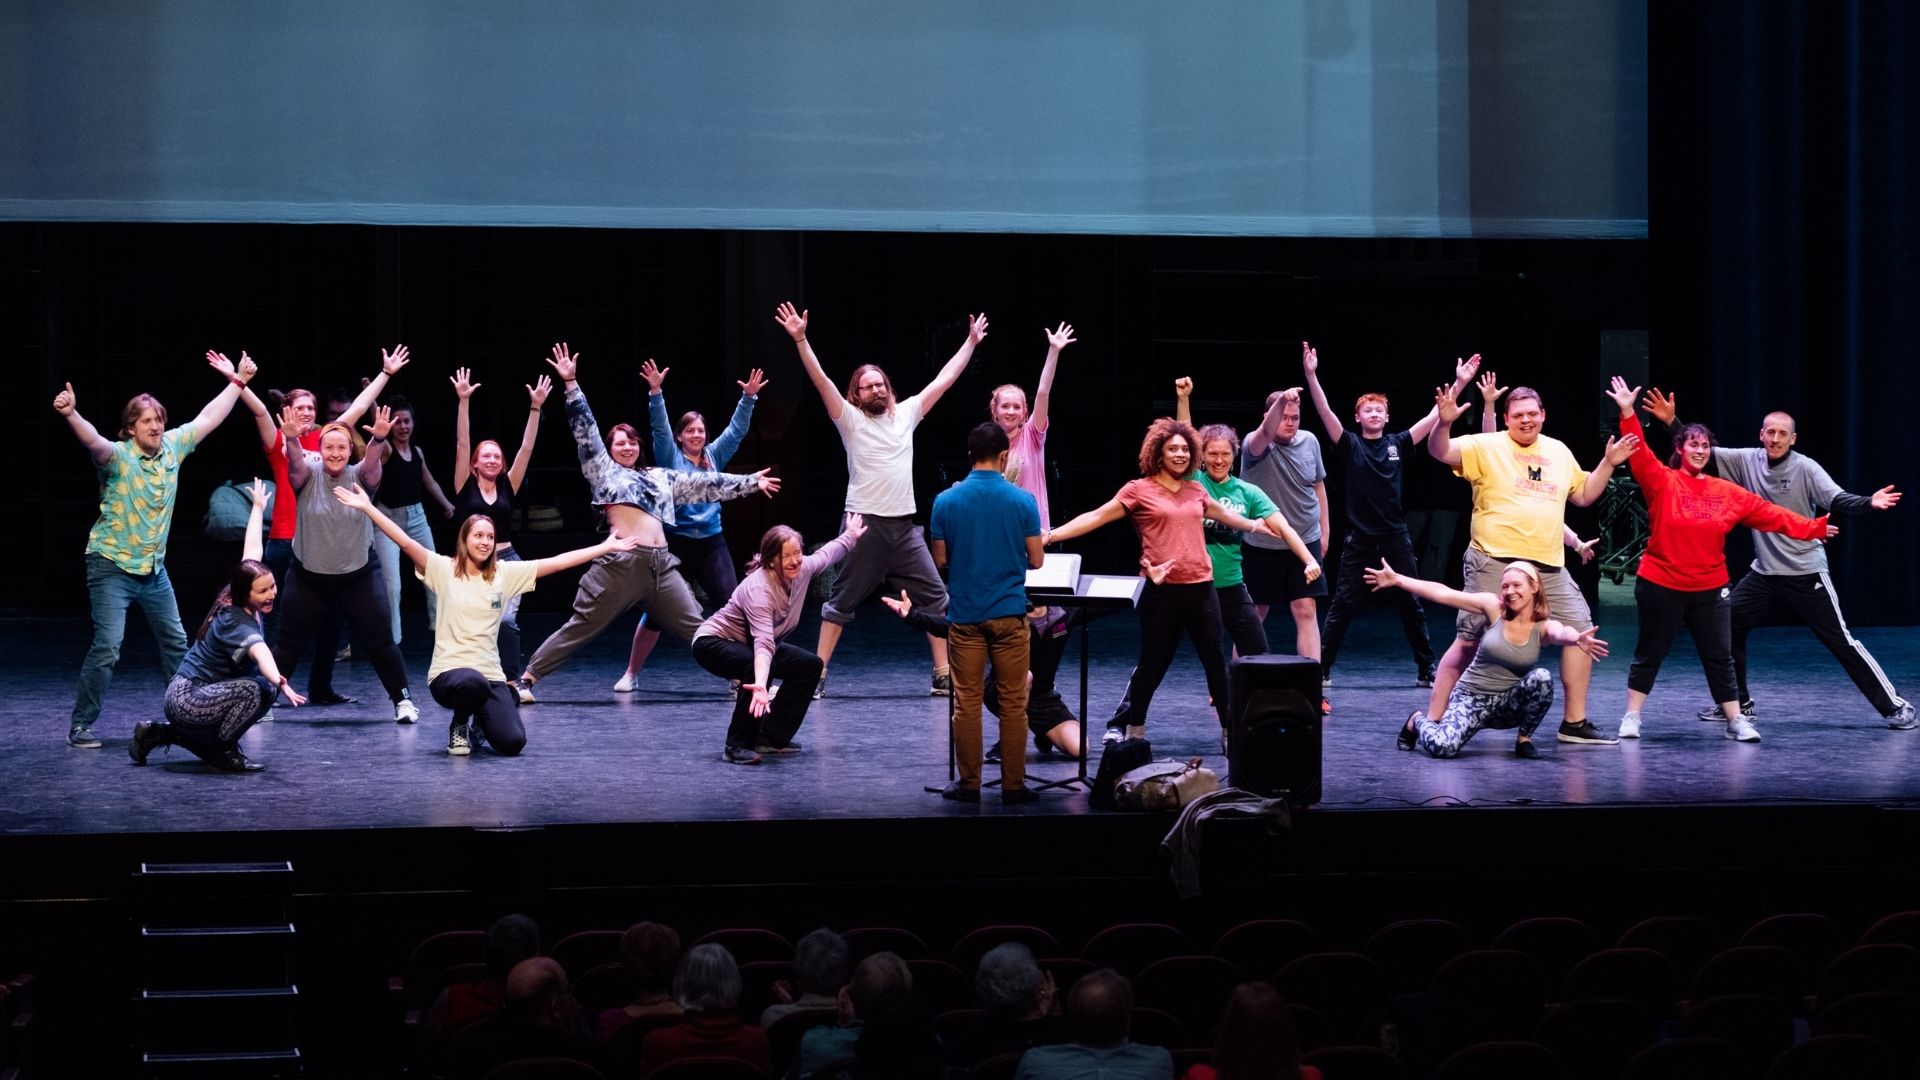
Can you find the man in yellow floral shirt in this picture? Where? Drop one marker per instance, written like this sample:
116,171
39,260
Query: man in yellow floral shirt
127,547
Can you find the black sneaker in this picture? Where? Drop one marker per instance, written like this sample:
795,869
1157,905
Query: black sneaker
739,755
1712,714
81,736
235,761
1019,795
147,734
1409,738
768,748
1525,749
330,698
956,793
1585,732
942,686
993,754
1424,680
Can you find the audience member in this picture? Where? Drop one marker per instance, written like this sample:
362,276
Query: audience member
1099,1012
539,1021
1019,999
880,984
1256,1040
819,971
649,953
511,939
707,986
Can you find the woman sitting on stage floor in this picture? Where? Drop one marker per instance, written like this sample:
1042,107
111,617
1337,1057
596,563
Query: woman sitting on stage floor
212,701
744,640
1167,507
472,590
1504,687
1683,575
638,501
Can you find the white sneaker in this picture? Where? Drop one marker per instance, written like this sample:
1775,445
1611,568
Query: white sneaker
405,712
1902,718
1742,730
1629,726
624,686
524,692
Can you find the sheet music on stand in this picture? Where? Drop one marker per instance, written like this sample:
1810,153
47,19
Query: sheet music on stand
1058,575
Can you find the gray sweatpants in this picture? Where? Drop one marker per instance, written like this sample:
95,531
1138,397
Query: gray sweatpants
892,554
648,576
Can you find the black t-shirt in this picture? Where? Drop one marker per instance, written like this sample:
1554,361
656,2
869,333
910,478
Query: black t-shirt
467,502
1374,470
400,480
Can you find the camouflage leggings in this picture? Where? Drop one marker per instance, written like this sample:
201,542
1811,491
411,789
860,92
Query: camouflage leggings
1522,706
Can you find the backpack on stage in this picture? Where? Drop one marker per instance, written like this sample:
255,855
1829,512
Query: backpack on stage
1116,761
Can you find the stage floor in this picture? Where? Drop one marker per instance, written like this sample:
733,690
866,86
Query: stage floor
872,746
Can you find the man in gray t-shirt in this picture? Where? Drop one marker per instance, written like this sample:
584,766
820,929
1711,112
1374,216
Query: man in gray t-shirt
1285,463
1789,577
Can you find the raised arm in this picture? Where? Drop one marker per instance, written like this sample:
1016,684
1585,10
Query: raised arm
390,365
1310,363
1647,469
950,371
1490,392
463,388
251,546
1463,371
1757,513
1618,450
98,447
355,496
373,465
297,467
586,433
1446,405
536,400
1260,439
1183,399
580,556
1105,514
1043,394
795,324
666,452
721,450
1384,577
262,419
222,403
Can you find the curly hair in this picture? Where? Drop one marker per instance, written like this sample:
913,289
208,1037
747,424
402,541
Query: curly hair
1153,447
1680,438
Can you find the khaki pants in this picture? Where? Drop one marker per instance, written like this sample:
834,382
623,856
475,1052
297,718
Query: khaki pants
971,647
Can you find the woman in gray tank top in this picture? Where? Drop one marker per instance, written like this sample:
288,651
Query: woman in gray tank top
1504,687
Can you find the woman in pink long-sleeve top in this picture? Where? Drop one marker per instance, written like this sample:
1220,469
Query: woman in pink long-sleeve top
745,640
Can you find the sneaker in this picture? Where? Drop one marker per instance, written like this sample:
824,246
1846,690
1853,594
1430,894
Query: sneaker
1712,714
344,655
993,754
1408,737
147,734
1902,719
739,755
820,689
405,711
942,686
1019,795
81,736
624,686
1742,730
459,741
1326,707
790,748
235,761
1630,726
1524,748
1585,732
1113,734
523,689
1326,679
1424,680
955,793
330,698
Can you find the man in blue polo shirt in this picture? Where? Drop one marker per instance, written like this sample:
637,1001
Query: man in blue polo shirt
986,534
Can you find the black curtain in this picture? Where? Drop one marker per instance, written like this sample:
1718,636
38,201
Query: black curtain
1782,203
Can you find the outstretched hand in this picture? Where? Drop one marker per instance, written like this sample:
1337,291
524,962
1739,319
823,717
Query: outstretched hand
1381,577
565,362
1661,407
856,527
1463,370
1832,530
352,495
463,384
291,426
259,493
1590,644
392,362
1623,395
294,697
1585,549
382,420
1446,403
63,401
1061,338
762,701
1156,572
1490,389
619,543
904,605
1622,448
793,322
537,393
976,328
767,482
1886,498
655,375
1309,359
751,386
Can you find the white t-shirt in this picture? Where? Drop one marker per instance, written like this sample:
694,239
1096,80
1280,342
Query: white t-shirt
466,633
880,458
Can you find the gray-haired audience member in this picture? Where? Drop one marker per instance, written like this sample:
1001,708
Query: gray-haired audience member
708,987
539,1021
819,971
1099,1014
649,954
1019,999
882,986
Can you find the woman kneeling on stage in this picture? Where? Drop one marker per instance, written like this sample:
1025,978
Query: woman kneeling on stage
472,590
212,701
745,640
1504,687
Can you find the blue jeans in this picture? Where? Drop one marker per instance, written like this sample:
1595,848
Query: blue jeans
111,590
413,519
510,623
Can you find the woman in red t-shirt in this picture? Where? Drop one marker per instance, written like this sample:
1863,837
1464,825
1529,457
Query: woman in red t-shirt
1683,574
1167,506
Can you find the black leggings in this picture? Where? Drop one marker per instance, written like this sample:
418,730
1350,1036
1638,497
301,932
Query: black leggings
1709,619
495,706
707,561
361,597
798,671
1237,618
1166,610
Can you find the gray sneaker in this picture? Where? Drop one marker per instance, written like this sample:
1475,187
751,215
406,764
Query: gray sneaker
82,737
942,686
459,742
1584,732
1712,714
1902,718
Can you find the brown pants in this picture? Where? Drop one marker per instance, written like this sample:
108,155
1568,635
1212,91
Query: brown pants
971,647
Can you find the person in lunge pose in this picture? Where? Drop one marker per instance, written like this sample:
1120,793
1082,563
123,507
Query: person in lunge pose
473,588
986,533
332,573
405,484
1683,574
745,641
1219,445
1503,687
1522,481
638,501
1167,507
483,483
695,537
139,478
1788,576
212,700
1376,524
877,432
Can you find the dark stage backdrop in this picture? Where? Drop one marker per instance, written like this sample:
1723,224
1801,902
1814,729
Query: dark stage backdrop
1784,148
117,309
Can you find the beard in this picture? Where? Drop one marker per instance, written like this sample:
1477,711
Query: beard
876,406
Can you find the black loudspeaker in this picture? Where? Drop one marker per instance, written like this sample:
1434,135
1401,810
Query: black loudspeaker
1273,727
